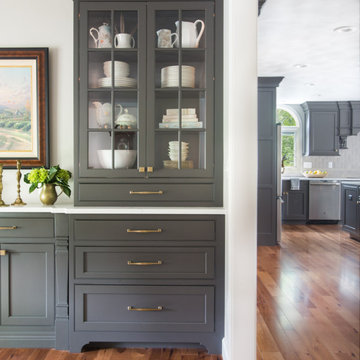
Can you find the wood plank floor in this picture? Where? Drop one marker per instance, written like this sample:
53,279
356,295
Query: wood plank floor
309,296
107,354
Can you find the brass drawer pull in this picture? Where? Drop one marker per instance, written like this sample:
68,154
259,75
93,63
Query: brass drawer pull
131,308
144,263
144,231
3,252
8,227
160,192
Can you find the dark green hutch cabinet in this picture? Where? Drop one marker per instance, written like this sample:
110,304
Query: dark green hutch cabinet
148,112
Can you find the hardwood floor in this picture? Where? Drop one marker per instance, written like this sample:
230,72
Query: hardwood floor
106,354
309,296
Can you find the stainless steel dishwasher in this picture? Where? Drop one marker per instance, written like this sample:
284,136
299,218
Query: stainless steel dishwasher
324,200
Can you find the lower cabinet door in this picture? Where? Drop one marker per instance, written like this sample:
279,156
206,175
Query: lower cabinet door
27,284
144,308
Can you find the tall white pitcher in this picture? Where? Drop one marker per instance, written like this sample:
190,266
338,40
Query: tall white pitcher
190,37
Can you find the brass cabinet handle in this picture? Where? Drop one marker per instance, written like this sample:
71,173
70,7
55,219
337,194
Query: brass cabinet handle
141,169
3,252
160,192
8,227
144,263
131,308
144,231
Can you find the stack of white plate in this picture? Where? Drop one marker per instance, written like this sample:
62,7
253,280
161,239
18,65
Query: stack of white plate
189,119
119,82
121,78
174,150
170,76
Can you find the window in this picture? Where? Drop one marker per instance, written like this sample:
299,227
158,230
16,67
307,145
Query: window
290,135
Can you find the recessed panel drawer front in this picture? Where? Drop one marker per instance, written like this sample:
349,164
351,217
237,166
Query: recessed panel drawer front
144,308
146,193
26,227
144,263
144,230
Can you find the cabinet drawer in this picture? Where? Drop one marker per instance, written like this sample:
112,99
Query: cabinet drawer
184,230
144,308
26,227
131,262
115,194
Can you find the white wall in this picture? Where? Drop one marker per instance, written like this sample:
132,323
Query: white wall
240,116
49,23
45,23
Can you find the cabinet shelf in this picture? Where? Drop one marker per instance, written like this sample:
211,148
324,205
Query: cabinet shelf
199,130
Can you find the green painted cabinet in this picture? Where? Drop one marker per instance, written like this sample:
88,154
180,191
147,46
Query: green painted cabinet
148,108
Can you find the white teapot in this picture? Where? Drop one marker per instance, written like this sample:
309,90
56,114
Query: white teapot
189,37
125,120
103,114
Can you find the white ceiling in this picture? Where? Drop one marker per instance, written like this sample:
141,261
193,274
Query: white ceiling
294,32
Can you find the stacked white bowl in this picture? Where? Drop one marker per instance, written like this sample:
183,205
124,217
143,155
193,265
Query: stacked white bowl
174,150
170,76
121,78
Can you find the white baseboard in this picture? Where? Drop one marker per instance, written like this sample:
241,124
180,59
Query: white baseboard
224,350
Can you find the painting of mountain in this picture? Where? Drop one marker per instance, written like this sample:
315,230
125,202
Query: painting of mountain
15,108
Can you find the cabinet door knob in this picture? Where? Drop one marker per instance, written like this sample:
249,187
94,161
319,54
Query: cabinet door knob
150,169
350,197
141,169
3,252
132,308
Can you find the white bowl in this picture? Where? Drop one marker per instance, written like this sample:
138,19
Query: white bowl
124,159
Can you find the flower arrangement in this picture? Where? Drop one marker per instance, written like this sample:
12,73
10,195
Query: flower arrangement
38,177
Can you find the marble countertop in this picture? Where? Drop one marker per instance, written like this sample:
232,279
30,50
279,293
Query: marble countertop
348,179
71,209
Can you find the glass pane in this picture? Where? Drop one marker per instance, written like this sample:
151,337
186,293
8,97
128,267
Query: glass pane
125,150
193,69
288,148
193,110
166,69
125,29
100,110
100,69
164,154
193,29
99,29
126,110
195,156
125,69
165,23
100,154
166,106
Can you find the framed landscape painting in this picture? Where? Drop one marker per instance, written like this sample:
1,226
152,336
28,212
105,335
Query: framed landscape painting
24,101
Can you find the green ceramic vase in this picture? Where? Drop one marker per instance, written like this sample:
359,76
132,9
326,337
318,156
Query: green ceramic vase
48,194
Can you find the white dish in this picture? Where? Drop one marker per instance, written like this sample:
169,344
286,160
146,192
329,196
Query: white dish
124,159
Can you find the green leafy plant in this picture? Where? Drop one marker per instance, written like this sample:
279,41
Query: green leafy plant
37,177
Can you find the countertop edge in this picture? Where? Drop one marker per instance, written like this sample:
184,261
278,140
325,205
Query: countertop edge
71,209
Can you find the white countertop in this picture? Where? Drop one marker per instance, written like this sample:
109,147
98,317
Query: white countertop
71,209
324,178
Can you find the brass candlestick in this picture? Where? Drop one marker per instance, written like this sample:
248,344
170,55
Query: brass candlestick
2,203
18,201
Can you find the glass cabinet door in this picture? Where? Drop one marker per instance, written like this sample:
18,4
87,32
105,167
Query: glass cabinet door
112,89
180,89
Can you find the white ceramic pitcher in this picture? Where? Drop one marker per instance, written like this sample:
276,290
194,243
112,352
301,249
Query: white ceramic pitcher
190,37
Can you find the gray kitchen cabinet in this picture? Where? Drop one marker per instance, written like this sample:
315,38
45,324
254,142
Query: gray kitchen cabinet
351,209
355,109
144,281
146,116
267,161
27,280
322,128
296,202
